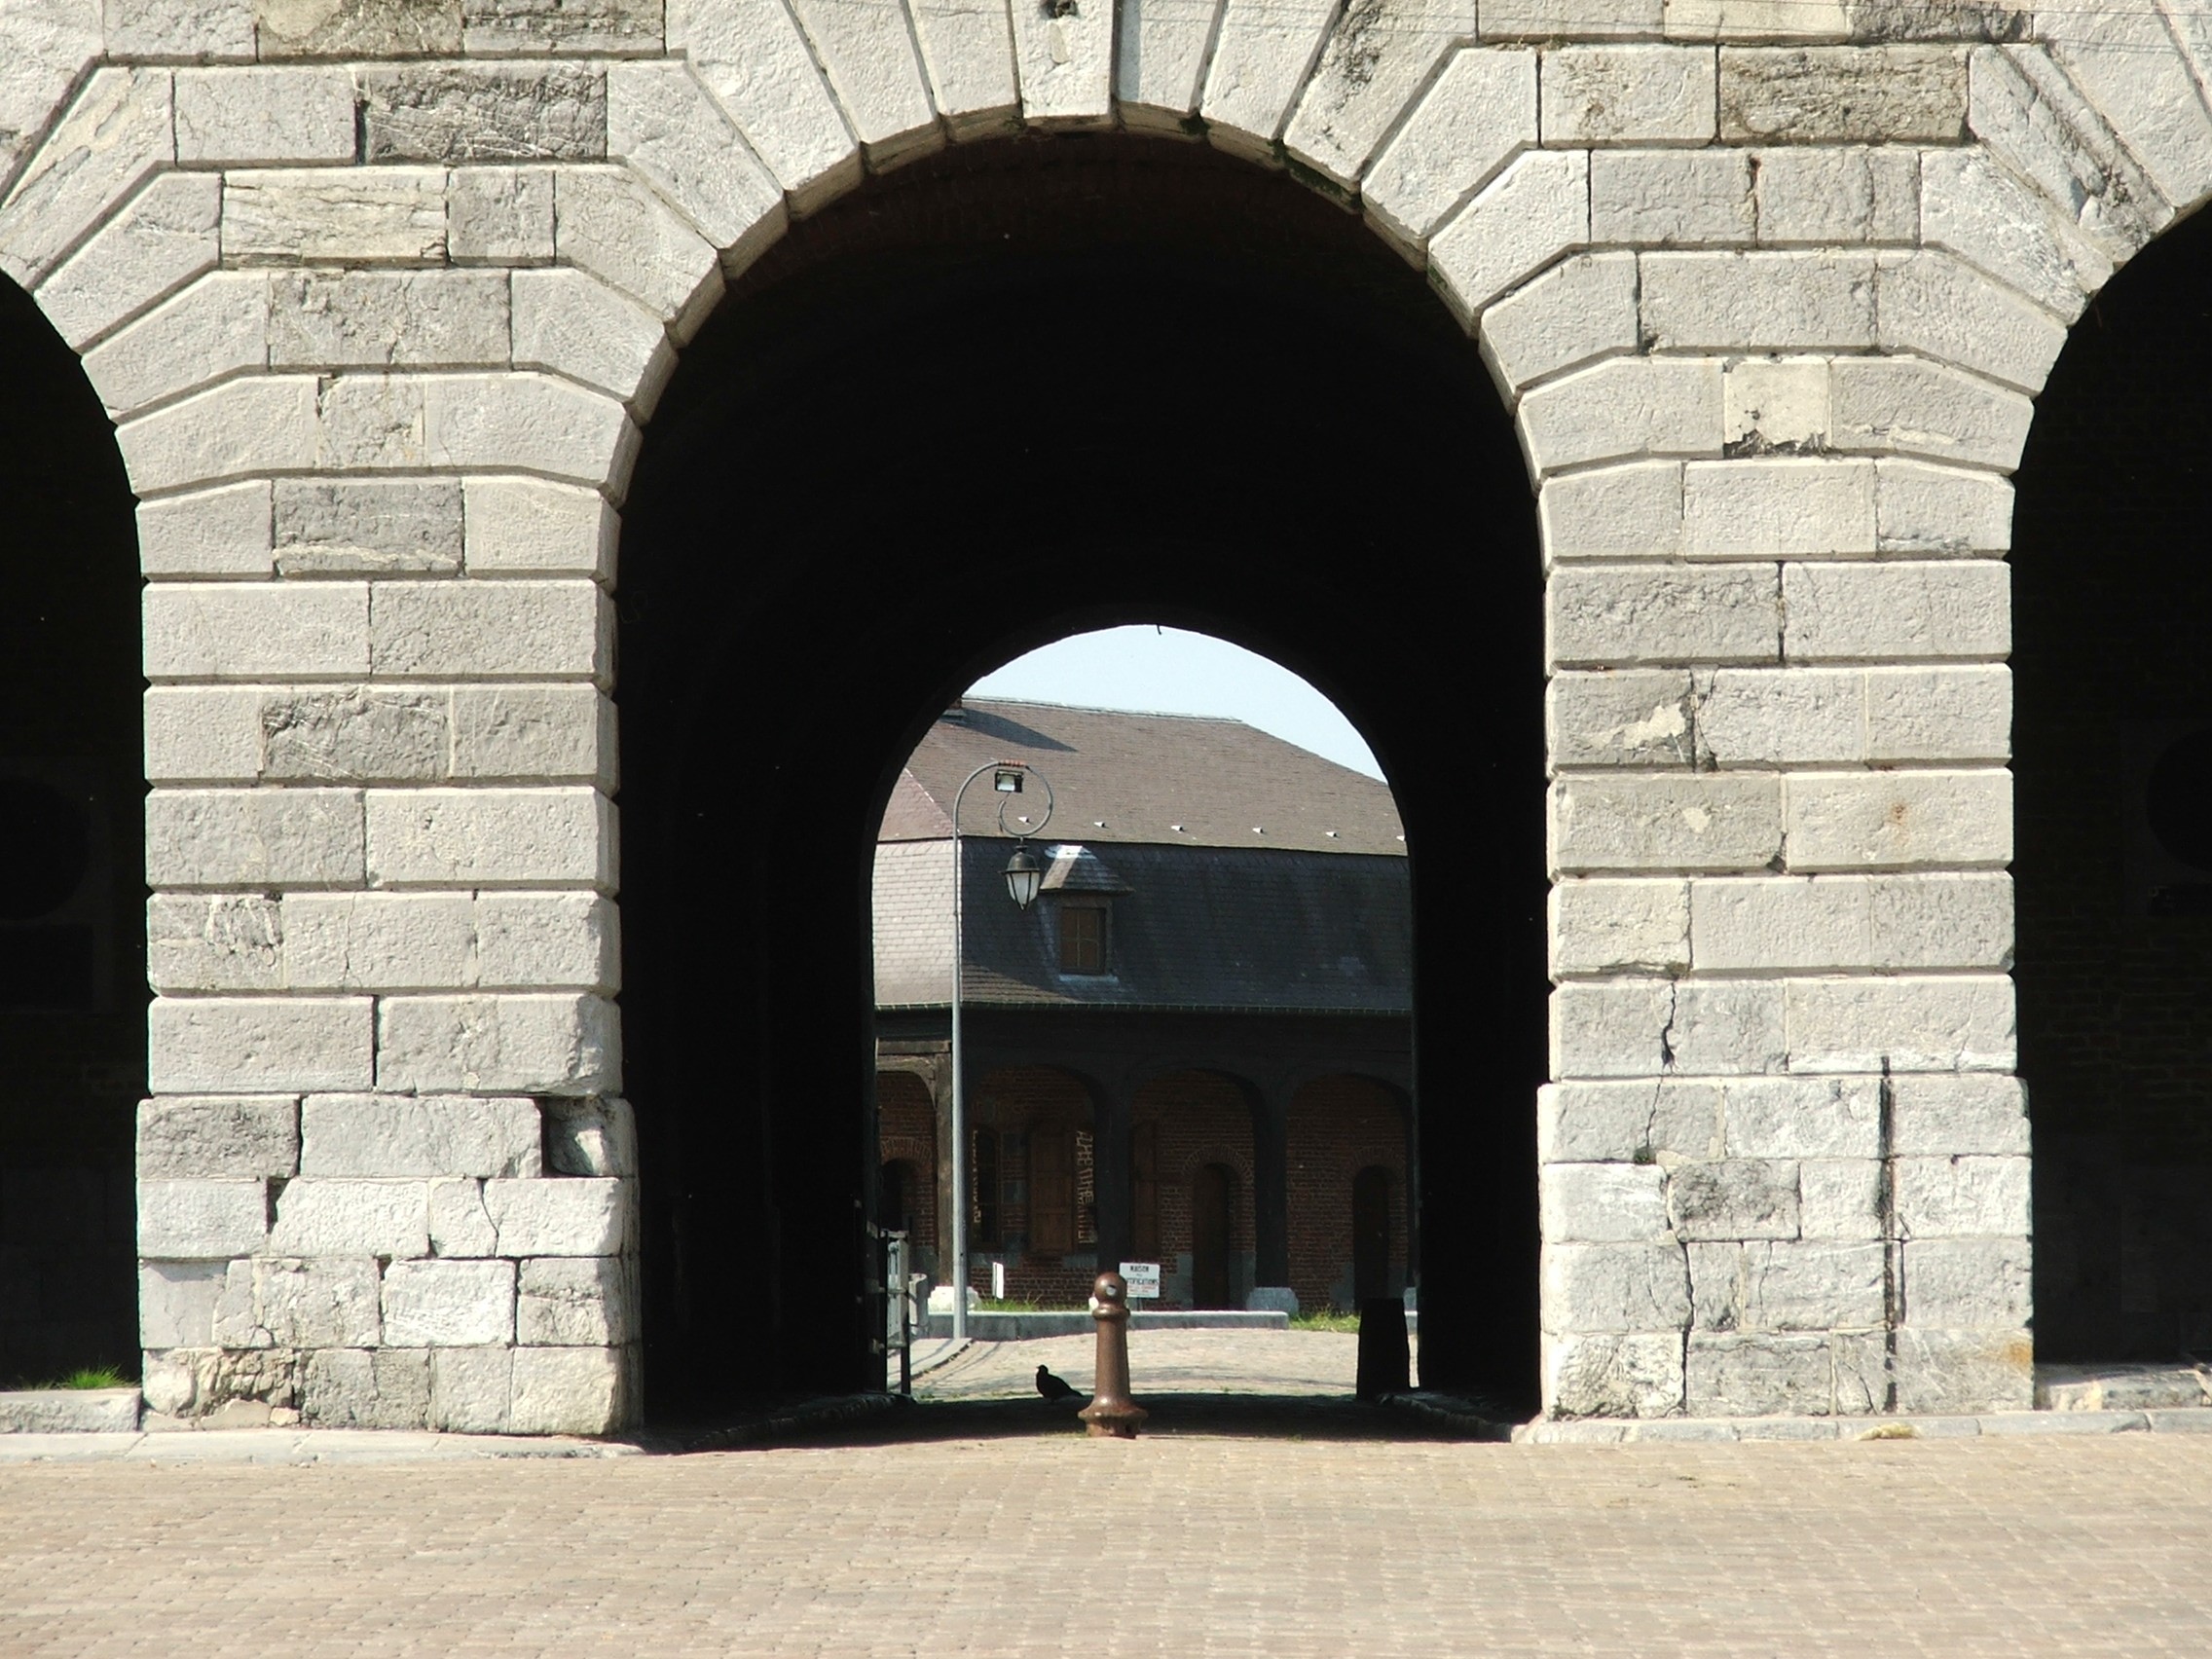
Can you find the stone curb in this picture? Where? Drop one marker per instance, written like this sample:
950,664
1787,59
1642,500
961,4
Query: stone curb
298,1446
1676,1430
1475,1416
69,1411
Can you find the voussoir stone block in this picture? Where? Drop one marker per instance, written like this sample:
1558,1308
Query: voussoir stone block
1478,111
202,1137
119,130
567,1217
388,1134
442,1304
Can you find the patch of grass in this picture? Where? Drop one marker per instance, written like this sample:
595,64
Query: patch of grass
84,1376
1009,1304
1324,1319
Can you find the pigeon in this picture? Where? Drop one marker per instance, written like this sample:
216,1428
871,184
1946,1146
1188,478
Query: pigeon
1053,1387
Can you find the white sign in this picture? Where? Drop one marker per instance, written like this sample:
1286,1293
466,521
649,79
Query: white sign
1143,1279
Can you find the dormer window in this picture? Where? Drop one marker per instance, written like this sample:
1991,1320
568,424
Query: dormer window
1082,938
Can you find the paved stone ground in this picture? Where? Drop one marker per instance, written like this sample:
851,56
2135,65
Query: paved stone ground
1203,1362
1305,1542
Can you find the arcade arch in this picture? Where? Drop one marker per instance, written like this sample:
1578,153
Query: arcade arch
1086,348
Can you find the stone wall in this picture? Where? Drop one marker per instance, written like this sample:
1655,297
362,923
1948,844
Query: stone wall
380,293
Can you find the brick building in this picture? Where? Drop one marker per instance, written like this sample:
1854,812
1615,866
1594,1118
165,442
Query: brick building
1634,463
1215,982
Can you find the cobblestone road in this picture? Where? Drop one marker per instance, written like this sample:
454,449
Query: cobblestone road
1182,1544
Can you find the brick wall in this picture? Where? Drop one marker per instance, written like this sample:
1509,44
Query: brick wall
1197,1117
1339,1126
906,1132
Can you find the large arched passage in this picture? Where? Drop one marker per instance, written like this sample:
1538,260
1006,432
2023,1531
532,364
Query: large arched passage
72,883
2113,743
998,396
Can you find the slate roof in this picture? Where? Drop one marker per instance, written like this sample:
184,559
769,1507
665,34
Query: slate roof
1199,920
1174,780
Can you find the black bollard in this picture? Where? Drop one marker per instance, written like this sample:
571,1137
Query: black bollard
1386,1355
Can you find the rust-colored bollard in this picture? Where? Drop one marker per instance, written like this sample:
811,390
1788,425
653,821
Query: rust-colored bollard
1111,1412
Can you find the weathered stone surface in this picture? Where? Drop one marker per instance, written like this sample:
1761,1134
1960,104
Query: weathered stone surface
1843,94
1468,125
238,837
1629,511
1788,1286
1628,94
752,57
1960,1283
1671,197
529,28
358,1389
1736,1198
352,733
576,325
564,1043
1686,823
113,138
199,1045
265,116
1605,927
549,733
359,214
874,67
575,1302
1842,922
593,1136
459,1224
1636,1375
607,221
449,1304
1614,1287
357,28
1602,1202
1948,1196
195,1383
1532,211
471,1389
242,426
1631,1028
384,1134
1638,717
176,1303
1803,1117
220,942
285,1303
499,215
1964,1370
1959,1023
1626,1123
508,630
1841,1197
388,318
1756,1376
157,243
368,525
338,1218
1897,820
1842,194
465,837
380,942
201,1220
217,326
1574,314
480,113
547,941
1622,408
196,1137
572,1390
1960,1114
1378,55
1941,509
572,1217
1159,67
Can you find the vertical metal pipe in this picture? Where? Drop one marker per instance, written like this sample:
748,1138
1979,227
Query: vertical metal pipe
959,1099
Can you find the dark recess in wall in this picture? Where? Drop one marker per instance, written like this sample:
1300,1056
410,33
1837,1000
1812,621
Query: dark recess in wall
996,397
2112,605
72,891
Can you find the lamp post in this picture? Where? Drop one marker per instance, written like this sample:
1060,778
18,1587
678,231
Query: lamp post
1023,876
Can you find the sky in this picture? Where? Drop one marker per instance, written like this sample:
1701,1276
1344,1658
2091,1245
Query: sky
1167,671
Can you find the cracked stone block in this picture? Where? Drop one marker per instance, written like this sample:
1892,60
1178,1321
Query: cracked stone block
446,1303
1757,1375
273,1302
195,1383
1614,1287
575,1302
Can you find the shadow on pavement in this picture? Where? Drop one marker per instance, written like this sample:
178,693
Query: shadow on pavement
882,1420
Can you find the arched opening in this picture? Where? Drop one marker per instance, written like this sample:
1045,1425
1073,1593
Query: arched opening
2113,719
1000,396
1213,1236
72,884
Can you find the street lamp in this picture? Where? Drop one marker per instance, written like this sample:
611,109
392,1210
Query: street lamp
1023,876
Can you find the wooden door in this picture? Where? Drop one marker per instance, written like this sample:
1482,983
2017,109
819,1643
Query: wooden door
1213,1195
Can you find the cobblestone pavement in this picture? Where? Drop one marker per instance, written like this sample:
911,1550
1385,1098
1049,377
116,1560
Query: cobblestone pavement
1175,1545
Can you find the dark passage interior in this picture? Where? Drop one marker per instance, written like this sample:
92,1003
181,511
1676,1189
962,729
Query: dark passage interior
72,888
992,399
2113,738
